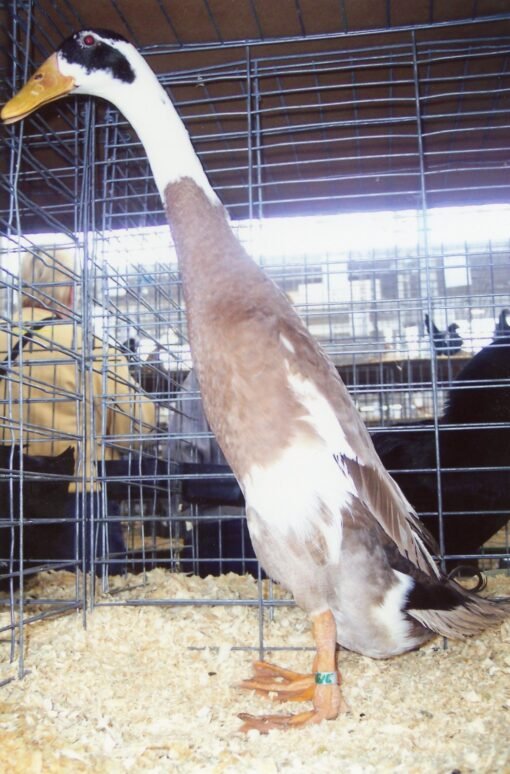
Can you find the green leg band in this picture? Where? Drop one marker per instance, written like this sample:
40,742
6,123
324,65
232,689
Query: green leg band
326,678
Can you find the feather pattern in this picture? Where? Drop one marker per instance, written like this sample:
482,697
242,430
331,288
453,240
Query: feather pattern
387,504
471,616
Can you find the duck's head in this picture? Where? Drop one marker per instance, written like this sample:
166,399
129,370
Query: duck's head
88,62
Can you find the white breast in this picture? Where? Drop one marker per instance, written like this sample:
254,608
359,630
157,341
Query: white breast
292,494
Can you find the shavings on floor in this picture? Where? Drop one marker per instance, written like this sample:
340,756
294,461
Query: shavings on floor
153,689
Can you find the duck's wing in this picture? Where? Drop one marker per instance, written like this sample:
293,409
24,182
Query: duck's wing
376,491
386,503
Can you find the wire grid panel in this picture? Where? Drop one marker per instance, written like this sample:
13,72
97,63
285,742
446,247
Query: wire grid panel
43,210
43,427
404,126
365,133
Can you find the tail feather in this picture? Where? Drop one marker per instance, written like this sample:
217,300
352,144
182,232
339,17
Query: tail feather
470,615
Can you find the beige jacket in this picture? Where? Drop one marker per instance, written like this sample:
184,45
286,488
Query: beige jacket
98,409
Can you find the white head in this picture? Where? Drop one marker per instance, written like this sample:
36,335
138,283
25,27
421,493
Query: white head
104,64
95,62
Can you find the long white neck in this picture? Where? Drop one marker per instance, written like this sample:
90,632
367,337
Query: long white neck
147,107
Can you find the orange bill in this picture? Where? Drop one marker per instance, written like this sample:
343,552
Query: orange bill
46,85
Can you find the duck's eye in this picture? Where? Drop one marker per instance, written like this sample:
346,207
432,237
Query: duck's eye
88,40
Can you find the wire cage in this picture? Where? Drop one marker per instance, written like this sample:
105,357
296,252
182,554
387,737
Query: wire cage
370,181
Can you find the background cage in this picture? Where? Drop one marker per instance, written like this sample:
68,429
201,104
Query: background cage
365,169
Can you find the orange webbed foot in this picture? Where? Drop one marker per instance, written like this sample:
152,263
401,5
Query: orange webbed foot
322,687
285,684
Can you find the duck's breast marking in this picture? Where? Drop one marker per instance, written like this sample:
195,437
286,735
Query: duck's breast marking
302,490
299,495
320,415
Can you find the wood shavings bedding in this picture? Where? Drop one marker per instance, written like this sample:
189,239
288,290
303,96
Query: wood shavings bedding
131,694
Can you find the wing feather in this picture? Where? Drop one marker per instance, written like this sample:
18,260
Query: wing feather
380,494
388,506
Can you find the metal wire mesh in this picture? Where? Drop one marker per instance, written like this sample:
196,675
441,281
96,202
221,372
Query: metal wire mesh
370,183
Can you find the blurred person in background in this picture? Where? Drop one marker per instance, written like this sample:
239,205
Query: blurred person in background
59,391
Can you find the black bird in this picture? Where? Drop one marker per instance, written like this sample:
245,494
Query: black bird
446,342
155,378
502,329
130,349
474,447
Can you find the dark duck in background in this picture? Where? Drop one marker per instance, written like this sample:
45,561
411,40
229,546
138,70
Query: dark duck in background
447,342
474,453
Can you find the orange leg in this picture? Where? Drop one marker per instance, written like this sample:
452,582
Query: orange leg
322,687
